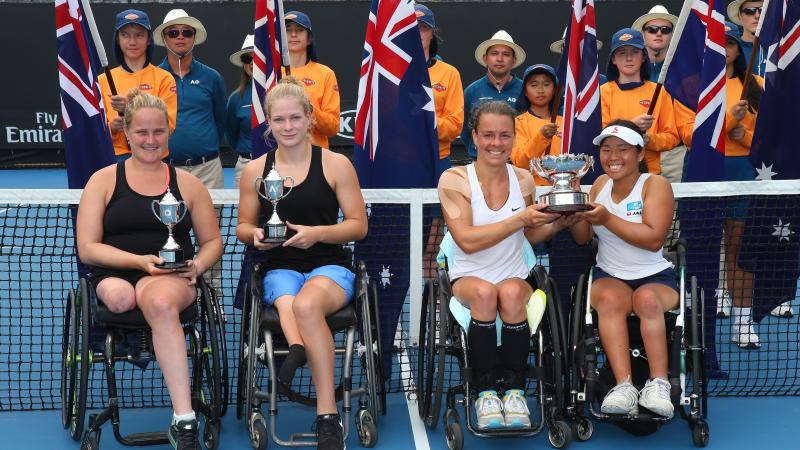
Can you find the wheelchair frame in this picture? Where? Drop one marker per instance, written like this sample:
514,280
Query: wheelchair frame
206,331
585,346
252,350
440,335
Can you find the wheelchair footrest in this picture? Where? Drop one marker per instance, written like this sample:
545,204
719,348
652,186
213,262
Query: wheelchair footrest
149,438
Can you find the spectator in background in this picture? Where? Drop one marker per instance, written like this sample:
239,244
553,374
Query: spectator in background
133,49
238,124
319,80
747,13
499,55
657,27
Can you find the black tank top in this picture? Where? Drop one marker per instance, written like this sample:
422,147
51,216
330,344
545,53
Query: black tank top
311,202
130,225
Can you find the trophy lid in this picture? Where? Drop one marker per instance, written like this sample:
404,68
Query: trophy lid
168,199
273,175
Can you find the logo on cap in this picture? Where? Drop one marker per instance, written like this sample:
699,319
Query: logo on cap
419,13
615,130
439,87
132,16
626,37
291,17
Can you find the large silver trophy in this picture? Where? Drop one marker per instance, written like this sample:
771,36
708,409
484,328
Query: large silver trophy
170,211
561,170
275,228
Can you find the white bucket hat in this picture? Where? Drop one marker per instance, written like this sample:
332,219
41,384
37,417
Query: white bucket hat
247,47
180,17
500,38
733,11
558,46
656,12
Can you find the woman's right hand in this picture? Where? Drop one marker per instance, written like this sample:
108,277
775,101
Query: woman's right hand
739,110
533,216
598,215
258,236
148,265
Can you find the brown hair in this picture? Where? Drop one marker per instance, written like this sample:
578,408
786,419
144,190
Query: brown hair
497,107
138,100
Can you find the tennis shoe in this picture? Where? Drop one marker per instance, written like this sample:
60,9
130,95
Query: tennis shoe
515,407
621,399
489,411
783,310
744,334
655,397
723,304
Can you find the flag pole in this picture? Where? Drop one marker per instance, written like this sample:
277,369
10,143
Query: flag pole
673,46
98,45
756,44
284,44
556,103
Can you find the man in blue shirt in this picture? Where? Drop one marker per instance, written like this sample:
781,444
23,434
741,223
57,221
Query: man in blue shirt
747,13
194,146
499,55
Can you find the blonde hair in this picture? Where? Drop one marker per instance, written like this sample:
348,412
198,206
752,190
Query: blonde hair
288,87
138,100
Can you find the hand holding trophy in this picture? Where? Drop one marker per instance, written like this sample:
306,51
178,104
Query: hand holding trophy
170,211
275,228
561,170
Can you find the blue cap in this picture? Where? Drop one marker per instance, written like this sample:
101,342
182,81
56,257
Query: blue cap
132,16
424,14
299,18
522,104
627,36
732,30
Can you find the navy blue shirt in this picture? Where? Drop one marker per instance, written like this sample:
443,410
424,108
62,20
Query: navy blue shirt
238,125
201,112
483,90
760,66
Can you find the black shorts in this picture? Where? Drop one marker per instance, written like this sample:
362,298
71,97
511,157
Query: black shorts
667,277
100,273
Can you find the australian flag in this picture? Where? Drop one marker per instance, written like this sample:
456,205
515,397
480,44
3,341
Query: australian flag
770,245
694,74
580,81
267,59
395,147
87,140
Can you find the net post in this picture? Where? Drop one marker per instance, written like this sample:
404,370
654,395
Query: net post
415,204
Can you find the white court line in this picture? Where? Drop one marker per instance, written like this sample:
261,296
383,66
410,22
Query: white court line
417,426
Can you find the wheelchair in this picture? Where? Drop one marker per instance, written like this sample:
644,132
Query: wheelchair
441,335
258,348
592,378
93,334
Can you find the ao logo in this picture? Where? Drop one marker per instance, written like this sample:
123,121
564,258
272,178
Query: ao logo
273,189
167,213
347,124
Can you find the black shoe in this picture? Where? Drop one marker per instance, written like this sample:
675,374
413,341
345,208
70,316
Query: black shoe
183,435
330,434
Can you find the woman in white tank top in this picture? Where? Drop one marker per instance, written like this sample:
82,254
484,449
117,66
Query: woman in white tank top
631,216
489,212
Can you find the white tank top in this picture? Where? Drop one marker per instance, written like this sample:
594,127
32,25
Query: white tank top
505,259
615,256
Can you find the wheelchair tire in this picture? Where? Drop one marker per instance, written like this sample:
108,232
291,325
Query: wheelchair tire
454,435
251,361
371,366
423,398
209,358
367,429
700,434
241,366
376,325
582,428
560,434
79,344
67,368
222,352
211,434
439,314
258,433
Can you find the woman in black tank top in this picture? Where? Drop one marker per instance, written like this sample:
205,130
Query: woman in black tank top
119,236
310,274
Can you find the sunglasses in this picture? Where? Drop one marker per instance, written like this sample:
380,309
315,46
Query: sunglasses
653,29
751,10
186,32
246,59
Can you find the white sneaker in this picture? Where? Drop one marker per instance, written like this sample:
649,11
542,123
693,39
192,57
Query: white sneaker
782,310
515,407
489,410
655,397
744,334
621,399
723,303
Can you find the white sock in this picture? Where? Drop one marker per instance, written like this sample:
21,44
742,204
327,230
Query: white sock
741,315
183,417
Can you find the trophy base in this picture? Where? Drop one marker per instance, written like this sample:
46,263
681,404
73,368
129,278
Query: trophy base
172,265
273,240
564,202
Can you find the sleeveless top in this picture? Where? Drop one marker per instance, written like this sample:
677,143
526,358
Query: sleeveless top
129,223
505,259
615,256
312,202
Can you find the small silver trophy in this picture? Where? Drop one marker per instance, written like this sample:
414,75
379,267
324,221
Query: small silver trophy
275,228
561,170
170,211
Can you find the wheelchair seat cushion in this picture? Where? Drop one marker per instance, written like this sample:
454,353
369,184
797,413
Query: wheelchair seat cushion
339,320
134,318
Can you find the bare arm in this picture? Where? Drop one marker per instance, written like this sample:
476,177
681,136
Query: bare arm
247,230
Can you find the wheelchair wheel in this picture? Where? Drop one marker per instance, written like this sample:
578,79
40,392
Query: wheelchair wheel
222,352
367,429
454,435
560,434
553,359
211,434
209,356
582,429
67,368
422,376
439,328
369,357
241,374
700,433
78,359
251,361
376,325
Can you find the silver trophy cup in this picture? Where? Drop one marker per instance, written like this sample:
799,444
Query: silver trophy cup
561,170
275,228
170,211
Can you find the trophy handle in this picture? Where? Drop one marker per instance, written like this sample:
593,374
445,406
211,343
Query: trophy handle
257,183
182,209
153,207
291,186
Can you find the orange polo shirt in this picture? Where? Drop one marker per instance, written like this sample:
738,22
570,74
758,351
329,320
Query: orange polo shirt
619,104
150,80
530,142
323,91
448,99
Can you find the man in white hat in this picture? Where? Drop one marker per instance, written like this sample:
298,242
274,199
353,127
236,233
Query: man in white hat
194,146
499,55
656,27
747,13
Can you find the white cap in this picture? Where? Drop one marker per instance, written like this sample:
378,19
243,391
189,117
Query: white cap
624,133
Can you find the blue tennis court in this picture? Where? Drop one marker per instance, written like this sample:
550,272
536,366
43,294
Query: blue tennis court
756,405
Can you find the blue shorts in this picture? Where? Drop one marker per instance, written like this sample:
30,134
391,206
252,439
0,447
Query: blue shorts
667,277
738,168
280,282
